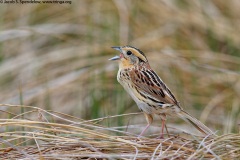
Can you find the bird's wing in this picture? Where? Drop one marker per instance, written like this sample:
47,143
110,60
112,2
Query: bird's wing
148,82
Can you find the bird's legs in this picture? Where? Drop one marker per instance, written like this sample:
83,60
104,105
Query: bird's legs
163,125
167,130
163,118
149,119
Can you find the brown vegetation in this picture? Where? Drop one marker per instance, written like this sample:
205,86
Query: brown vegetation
55,57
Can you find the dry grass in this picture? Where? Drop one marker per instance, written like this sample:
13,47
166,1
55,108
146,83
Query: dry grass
56,56
73,138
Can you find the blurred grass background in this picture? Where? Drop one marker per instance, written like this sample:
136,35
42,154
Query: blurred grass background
56,57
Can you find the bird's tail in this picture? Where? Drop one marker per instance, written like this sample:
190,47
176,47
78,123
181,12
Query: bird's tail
196,123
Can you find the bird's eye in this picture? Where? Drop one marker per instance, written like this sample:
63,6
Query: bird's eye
129,52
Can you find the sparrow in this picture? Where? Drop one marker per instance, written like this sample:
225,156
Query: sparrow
149,92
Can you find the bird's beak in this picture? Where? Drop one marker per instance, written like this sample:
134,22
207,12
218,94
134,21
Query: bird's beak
116,57
117,48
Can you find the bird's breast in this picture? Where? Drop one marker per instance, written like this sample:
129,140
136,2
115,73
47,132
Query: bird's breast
124,79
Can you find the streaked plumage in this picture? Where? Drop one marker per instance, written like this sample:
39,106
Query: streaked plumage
148,90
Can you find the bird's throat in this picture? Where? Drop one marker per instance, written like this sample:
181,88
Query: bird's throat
124,64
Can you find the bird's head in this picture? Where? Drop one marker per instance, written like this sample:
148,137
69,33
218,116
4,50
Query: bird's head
129,56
